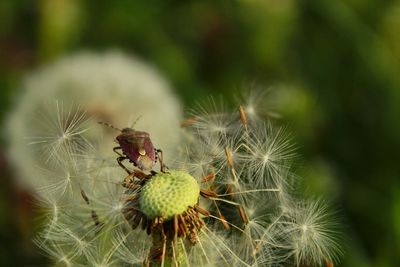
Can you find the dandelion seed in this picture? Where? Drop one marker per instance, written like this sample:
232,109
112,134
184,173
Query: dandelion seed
56,252
270,152
212,121
61,138
310,234
258,104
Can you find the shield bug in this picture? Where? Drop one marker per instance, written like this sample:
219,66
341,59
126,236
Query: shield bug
137,147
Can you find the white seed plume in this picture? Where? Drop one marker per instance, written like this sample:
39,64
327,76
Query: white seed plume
249,215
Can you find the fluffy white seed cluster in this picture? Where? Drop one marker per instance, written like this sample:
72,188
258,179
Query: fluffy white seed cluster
242,165
252,161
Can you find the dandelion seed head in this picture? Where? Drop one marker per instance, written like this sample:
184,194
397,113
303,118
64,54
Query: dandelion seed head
225,201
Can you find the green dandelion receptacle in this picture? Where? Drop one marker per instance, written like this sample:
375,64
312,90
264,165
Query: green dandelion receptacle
169,194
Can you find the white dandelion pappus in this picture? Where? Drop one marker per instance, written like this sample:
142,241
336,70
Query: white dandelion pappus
235,212
270,152
307,234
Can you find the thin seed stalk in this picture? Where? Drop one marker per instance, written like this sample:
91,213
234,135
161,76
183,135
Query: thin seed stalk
164,251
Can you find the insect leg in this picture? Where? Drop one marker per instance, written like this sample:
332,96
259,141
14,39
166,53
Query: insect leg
94,215
119,160
159,154
115,150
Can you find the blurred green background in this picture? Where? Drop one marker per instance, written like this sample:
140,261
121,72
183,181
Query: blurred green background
333,66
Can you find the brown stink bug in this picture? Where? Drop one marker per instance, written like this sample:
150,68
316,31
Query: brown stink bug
136,146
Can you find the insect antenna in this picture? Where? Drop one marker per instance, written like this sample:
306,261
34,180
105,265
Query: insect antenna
109,125
135,121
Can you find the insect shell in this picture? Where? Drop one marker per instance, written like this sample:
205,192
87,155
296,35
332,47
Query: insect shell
138,148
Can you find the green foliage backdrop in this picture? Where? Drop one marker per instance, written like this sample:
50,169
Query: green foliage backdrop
332,66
